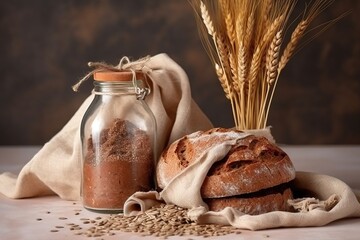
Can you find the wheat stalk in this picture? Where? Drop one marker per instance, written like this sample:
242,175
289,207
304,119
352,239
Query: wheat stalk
244,41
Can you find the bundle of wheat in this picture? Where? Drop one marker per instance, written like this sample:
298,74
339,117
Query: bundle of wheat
245,41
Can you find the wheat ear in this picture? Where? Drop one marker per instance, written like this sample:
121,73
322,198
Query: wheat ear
230,28
294,40
234,71
229,93
266,13
252,79
241,69
255,65
271,31
223,80
206,19
272,58
249,32
272,63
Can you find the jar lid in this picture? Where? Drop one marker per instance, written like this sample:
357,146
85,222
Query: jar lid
109,76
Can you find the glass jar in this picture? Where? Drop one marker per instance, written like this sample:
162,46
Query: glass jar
118,133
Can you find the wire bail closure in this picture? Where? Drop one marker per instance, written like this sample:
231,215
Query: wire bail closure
141,93
124,64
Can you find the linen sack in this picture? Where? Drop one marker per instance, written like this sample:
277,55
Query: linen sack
332,199
55,169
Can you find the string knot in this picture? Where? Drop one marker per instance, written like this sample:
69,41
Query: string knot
124,64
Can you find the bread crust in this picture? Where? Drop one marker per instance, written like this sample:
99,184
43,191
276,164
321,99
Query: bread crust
252,164
274,199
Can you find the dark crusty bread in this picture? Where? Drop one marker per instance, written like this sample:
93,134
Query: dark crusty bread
251,165
267,200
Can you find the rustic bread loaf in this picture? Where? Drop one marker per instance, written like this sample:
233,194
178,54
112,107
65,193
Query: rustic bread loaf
251,165
253,177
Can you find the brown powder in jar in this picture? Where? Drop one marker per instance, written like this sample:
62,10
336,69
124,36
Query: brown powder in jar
119,165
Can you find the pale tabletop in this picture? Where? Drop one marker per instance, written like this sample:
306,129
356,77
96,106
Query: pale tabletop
49,217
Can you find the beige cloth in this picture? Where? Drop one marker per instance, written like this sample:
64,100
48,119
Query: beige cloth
55,169
334,199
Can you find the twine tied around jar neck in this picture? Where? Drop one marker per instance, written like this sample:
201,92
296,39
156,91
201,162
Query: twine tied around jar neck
124,64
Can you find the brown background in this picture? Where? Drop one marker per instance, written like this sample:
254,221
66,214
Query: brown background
45,46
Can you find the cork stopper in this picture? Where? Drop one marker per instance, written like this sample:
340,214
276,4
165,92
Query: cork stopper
110,76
